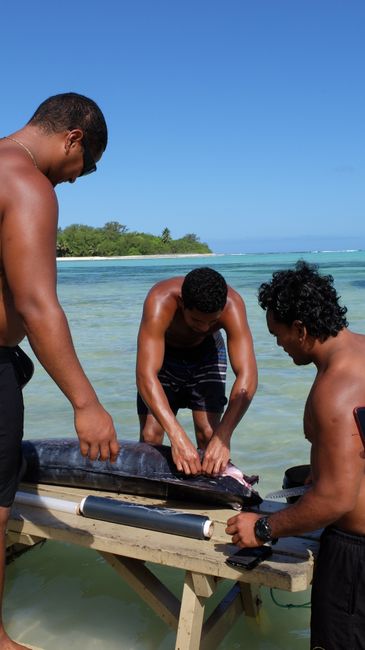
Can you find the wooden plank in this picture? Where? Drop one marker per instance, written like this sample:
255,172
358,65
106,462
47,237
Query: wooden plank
147,586
127,549
204,585
221,619
251,600
196,555
241,598
219,514
22,538
191,617
289,568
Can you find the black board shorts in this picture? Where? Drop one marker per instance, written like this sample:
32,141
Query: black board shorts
194,378
15,370
338,592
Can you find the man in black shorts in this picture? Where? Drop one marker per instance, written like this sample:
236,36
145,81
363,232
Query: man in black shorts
62,141
304,315
181,363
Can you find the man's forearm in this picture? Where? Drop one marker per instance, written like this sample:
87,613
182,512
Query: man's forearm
239,401
309,513
155,398
50,339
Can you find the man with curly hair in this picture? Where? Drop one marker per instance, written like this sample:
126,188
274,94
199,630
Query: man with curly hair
304,315
181,363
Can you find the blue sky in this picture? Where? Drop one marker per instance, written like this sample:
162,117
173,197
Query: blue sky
240,121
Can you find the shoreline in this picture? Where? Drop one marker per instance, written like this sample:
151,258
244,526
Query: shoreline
197,255
136,257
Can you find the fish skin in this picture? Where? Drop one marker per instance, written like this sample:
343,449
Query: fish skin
140,469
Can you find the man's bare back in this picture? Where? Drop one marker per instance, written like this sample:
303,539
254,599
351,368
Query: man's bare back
15,164
166,301
328,420
11,328
318,335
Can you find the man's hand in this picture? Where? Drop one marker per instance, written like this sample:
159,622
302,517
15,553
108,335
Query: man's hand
185,456
216,456
95,429
241,528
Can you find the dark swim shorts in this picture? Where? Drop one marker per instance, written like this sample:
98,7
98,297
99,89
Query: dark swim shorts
338,592
194,378
15,369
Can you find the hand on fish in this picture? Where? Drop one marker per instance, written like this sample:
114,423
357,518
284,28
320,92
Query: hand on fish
185,456
216,457
96,432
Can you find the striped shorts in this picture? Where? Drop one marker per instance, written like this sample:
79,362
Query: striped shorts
194,378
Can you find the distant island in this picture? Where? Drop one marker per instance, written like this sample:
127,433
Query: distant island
114,240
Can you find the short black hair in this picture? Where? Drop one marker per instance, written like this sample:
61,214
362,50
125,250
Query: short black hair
303,294
68,111
205,290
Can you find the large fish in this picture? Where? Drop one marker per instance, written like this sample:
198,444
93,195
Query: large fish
140,469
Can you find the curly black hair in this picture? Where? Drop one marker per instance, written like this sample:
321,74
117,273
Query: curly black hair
303,294
205,290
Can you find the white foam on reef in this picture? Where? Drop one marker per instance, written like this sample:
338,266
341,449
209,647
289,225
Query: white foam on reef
339,250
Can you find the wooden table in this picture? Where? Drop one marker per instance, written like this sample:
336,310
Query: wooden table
127,549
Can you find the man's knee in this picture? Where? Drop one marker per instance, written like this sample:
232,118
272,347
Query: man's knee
205,424
203,435
150,431
4,517
152,437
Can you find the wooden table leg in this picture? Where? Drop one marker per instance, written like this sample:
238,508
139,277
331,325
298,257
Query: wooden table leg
197,588
147,586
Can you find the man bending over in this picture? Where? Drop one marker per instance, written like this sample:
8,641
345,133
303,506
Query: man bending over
181,363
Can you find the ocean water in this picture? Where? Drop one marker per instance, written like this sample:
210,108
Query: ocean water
62,596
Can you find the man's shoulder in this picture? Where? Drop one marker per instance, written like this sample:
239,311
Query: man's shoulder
342,380
162,300
233,296
234,308
171,287
20,180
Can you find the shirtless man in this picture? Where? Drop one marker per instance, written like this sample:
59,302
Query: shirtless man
304,315
63,140
181,362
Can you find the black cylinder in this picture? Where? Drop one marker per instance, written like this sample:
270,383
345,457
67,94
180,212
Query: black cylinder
295,477
163,520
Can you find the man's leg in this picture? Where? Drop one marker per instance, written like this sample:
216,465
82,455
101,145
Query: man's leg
338,590
5,642
205,423
11,433
150,430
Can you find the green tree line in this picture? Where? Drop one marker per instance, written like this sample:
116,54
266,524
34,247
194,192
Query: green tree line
114,239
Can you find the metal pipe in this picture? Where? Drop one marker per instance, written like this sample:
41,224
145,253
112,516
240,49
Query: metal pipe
51,503
163,520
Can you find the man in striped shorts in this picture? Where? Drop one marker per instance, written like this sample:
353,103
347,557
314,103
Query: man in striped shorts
181,363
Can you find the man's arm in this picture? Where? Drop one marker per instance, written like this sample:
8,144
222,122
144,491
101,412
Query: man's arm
157,314
243,363
337,472
28,254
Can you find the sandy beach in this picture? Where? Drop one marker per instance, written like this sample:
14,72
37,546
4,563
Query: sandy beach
137,257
